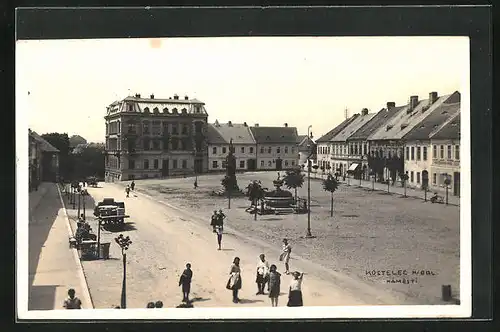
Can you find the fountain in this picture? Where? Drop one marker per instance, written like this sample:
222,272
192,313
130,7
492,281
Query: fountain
278,201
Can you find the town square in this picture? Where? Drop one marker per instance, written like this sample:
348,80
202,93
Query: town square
182,200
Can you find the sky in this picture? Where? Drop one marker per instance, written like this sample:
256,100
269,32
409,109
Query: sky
65,85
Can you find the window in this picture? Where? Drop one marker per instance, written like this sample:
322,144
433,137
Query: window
174,163
411,176
441,152
214,150
262,163
412,153
418,177
434,176
145,127
261,150
424,153
269,163
146,143
293,163
155,164
418,153
242,164
131,164
286,149
214,164
242,149
407,153
278,149
293,150
146,164
184,164
224,164
356,149
457,152
434,151
269,150
165,128
251,149
175,129
156,145
286,162
449,152
224,149
184,129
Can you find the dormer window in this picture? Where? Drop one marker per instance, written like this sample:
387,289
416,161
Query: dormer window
175,111
389,127
146,110
403,126
156,110
184,111
165,110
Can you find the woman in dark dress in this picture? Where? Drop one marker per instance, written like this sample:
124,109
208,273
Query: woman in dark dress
295,290
274,285
234,282
185,282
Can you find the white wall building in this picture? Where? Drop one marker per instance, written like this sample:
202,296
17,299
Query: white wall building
277,147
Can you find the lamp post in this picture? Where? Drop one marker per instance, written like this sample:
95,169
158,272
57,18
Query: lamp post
74,198
83,199
309,135
79,200
124,243
447,182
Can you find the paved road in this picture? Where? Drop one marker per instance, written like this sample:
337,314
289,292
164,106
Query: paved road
165,239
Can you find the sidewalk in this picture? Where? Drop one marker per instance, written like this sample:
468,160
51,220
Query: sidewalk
53,267
396,189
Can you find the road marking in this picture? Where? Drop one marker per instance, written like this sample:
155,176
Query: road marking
83,281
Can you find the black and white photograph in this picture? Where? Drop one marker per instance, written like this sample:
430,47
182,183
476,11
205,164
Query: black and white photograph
238,177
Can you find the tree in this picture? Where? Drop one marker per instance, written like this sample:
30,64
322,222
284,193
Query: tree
90,161
331,185
294,179
255,193
61,142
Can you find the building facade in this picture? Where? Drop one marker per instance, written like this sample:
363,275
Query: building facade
445,147
152,138
307,147
245,148
44,160
276,147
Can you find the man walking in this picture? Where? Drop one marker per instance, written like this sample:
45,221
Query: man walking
220,219
127,190
132,185
185,282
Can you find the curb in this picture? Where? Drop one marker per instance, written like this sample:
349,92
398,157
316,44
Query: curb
79,266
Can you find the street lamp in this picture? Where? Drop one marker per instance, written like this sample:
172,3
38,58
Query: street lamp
83,199
447,182
124,243
79,202
309,136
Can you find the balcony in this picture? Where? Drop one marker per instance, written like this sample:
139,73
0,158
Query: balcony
446,162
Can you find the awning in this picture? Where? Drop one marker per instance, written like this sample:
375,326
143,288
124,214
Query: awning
353,167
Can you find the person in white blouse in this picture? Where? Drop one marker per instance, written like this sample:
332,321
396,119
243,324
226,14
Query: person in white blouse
262,274
285,255
295,290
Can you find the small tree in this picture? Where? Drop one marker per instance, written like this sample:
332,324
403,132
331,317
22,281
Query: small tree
229,184
255,193
331,185
294,179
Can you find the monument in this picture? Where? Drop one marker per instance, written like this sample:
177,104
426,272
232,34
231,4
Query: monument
229,182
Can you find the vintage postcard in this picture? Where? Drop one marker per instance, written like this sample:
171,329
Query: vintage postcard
243,177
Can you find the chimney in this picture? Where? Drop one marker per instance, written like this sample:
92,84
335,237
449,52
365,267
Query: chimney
176,97
152,96
364,111
137,95
433,96
391,105
413,102
256,125
286,124
186,98
245,124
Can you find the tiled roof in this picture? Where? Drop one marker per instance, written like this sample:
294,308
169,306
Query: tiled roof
329,135
44,145
265,135
213,136
301,138
449,130
376,122
352,127
401,123
238,132
432,122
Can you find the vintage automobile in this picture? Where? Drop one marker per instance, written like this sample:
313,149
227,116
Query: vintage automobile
92,181
110,212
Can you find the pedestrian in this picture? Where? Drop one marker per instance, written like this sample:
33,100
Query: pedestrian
72,302
218,231
234,283
132,185
185,282
295,290
127,190
274,285
220,219
285,255
195,184
159,304
151,305
214,220
262,274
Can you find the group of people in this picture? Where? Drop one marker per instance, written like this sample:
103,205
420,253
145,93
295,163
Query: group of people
268,274
217,223
129,187
83,230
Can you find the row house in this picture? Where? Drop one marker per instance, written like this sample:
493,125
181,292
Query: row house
358,145
344,154
220,137
445,143
307,148
387,141
43,160
323,144
419,155
149,137
276,147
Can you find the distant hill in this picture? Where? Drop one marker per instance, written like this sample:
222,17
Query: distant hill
76,140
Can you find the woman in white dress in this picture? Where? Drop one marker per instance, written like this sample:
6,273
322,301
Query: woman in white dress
285,255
